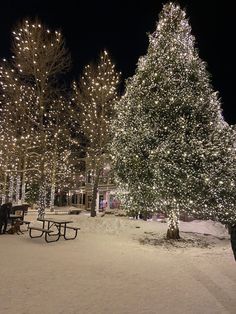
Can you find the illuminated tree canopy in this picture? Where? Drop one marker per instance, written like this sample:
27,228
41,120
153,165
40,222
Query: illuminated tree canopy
34,114
172,150
95,97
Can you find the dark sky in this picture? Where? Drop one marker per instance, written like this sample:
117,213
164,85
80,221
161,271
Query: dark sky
122,26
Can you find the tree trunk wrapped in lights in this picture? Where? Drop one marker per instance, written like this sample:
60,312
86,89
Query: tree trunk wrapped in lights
94,193
173,222
42,202
18,184
4,189
23,192
11,188
170,140
52,196
23,180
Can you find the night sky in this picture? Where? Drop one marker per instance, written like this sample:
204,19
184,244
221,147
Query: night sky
122,26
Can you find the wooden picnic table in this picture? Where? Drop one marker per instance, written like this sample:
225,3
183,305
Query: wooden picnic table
54,234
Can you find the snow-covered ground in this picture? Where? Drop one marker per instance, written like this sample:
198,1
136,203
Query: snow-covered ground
119,266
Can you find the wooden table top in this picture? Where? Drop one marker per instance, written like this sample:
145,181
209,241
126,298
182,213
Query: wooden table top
58,221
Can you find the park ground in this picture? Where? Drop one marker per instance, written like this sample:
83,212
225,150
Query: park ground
118,265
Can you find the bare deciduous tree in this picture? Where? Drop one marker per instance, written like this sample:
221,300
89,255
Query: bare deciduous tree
39,58
95,96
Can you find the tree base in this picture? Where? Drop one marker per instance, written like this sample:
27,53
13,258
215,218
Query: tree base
173,234
93,214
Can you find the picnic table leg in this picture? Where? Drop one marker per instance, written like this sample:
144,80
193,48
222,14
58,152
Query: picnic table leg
71,238
47,236
39,236
50,226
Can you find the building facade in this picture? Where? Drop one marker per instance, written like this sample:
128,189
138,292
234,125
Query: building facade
81,197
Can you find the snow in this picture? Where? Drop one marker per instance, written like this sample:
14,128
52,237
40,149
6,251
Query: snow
205,227
106,270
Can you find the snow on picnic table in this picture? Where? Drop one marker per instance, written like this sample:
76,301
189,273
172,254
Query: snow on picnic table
106,270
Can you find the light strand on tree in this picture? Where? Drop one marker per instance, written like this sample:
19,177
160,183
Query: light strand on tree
18,183
11,188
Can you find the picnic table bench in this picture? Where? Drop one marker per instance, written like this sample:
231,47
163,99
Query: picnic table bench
42,230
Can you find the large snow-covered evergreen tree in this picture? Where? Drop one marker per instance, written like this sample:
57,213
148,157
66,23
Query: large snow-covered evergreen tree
172,150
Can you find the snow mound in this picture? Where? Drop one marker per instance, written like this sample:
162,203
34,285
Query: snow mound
186,241
110,224
204,227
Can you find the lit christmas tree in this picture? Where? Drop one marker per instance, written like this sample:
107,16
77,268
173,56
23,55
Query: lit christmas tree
95,97
172,150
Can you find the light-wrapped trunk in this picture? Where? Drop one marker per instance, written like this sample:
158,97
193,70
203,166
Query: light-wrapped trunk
4,189
11,189
94,192
42,200
18,182
23,181
52,197
173,222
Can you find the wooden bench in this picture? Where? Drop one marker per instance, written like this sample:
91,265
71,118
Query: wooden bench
40,229
43,231
74,211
